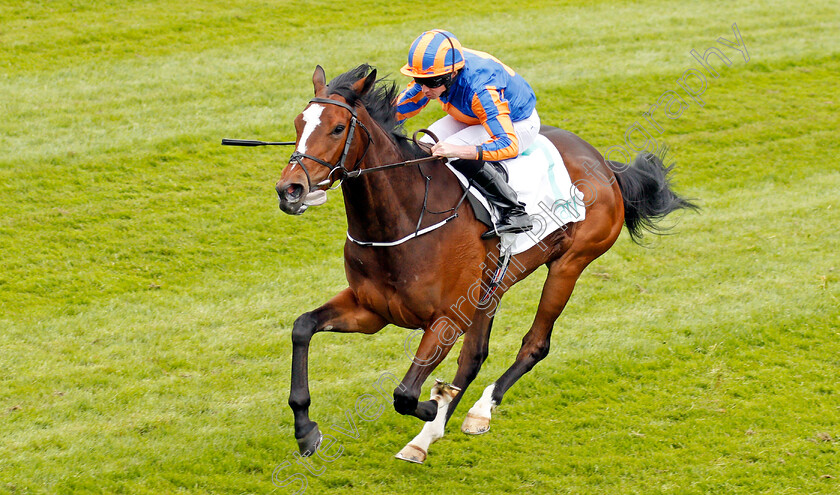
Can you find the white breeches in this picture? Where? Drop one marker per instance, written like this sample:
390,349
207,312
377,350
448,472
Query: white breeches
456,132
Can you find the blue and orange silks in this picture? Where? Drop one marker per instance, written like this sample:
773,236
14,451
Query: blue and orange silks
485,92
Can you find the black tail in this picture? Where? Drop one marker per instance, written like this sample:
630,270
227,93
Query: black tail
646,189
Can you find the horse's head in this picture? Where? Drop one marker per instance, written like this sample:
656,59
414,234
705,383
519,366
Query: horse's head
330,142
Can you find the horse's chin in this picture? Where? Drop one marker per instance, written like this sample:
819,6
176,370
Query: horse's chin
293,209
314,198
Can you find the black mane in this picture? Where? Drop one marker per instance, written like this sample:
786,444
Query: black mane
379,103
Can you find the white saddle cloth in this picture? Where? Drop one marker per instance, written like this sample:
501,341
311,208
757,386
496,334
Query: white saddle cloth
542,182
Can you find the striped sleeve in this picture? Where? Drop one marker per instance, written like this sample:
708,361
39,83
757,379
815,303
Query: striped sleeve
494,113
410,101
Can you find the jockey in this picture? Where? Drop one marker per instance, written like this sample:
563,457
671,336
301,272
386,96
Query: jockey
491,115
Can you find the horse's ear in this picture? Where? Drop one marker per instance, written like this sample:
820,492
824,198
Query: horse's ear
362,86
319,79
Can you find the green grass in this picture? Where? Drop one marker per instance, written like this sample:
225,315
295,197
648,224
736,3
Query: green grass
148,282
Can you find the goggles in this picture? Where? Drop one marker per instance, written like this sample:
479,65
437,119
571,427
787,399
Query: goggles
433,82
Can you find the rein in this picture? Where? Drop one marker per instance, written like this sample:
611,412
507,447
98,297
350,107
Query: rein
360,172
298,157
345,174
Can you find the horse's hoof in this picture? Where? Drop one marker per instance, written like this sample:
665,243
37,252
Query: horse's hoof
412,453
310,442
475,425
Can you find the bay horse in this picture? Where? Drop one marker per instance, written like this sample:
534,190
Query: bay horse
349,133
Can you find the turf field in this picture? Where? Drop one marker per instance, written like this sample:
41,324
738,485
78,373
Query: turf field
148,281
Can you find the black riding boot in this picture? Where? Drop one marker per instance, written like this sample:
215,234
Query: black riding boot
495,188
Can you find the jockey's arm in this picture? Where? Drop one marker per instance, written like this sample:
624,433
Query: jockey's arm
449,150
493,112
410,101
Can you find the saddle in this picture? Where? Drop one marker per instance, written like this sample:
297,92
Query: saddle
542,182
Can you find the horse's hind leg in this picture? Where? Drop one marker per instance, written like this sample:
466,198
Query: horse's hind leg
562,275
473,354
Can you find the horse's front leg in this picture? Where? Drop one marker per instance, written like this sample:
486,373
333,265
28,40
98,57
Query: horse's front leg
342,313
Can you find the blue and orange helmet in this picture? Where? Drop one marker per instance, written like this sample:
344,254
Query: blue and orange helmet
434,53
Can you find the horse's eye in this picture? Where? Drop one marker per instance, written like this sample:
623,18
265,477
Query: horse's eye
338,129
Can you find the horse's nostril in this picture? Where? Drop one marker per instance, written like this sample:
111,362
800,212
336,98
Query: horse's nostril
293,192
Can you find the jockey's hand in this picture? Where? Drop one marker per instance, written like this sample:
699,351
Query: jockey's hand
449,150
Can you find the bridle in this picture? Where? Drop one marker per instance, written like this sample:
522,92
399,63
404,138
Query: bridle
298,157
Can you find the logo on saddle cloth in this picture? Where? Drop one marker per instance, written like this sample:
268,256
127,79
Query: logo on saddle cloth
542,182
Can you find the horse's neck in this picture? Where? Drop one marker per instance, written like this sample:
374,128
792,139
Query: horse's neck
384,205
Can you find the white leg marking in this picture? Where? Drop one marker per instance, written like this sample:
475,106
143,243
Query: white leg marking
478,417
432,431
485,404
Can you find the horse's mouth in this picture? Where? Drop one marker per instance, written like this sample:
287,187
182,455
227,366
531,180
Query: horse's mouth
314,198
293,209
